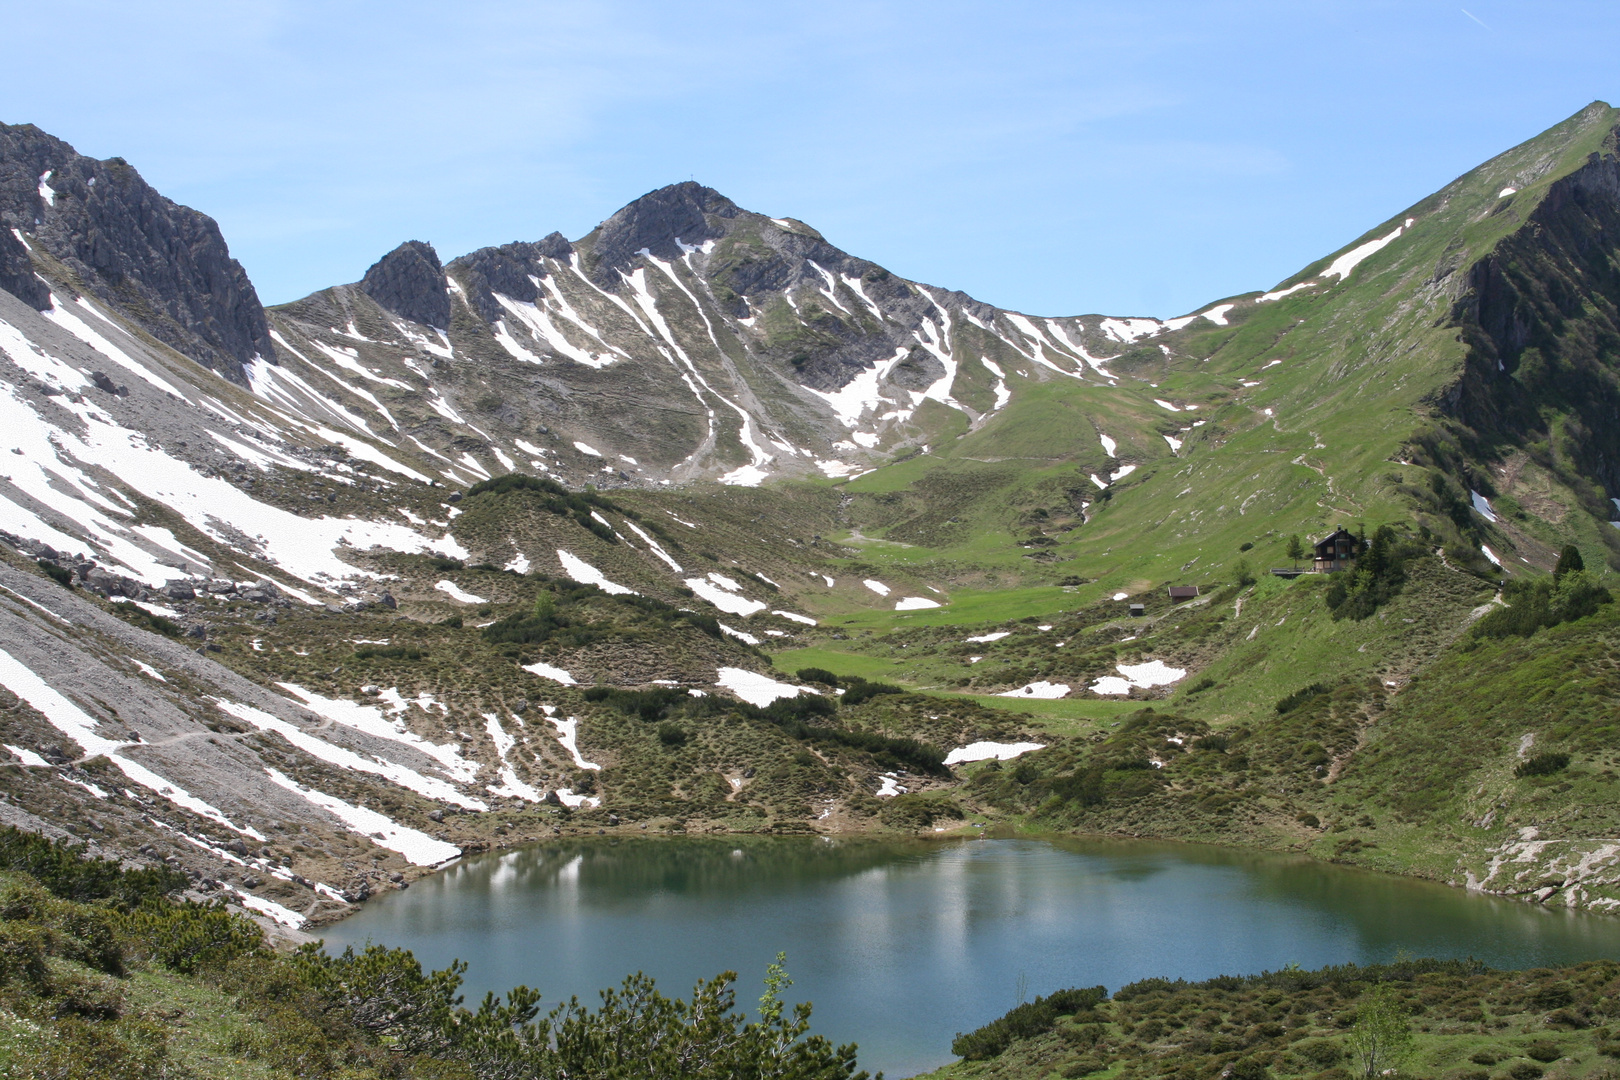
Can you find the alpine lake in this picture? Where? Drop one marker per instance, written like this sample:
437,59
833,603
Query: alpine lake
900,945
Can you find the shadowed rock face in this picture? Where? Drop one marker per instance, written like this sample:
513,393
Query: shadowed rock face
410,282
654,221
508,270
163,265
17,273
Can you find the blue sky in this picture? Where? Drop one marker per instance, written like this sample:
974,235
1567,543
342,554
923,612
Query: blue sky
1057,158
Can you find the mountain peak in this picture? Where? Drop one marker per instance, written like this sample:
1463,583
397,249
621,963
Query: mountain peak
163,264
409,281
657,219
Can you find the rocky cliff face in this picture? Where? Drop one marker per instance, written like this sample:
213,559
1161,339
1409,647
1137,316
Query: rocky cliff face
17,272
1541,314
410,282
509,270
163,266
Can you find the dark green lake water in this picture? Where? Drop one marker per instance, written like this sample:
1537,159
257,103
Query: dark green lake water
901,945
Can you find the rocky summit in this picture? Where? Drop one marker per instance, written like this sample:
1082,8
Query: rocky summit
699,523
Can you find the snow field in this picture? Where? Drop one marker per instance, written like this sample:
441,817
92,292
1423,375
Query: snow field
456,593
653,546
419,848
370,720
728,602
268,908
28,757
1146,675
511,786
568,735
756,689
915,603
426,786
1341,267
1045,691
546,671
586,574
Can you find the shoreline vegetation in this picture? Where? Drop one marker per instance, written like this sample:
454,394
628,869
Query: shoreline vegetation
103,974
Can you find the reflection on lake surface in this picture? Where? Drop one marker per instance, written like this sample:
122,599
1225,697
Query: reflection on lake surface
901,945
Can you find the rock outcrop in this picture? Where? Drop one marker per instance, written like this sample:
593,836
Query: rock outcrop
17,275
409,281
509,270
162,265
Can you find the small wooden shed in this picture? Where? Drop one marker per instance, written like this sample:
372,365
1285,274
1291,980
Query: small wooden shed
1336,551
1178,593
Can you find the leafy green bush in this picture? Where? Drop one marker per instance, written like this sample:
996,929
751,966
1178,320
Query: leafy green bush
804,717
647,705
921,810
1569,559
576,615
1026,1021
22,956
1571,595
1323,1053
553,498
1543,1051
858,690
59,574
1543,764
671,734
1300,697
65,871
1377,577
816,675
189,937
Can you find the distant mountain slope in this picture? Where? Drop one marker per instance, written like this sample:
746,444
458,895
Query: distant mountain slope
420,517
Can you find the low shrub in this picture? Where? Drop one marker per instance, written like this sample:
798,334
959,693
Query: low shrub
65,871
190,937
1026,1021
1543,764
1532,605
1543,1051
1299,697
388,652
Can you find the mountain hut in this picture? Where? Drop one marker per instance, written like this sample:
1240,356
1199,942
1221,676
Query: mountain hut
1336,551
